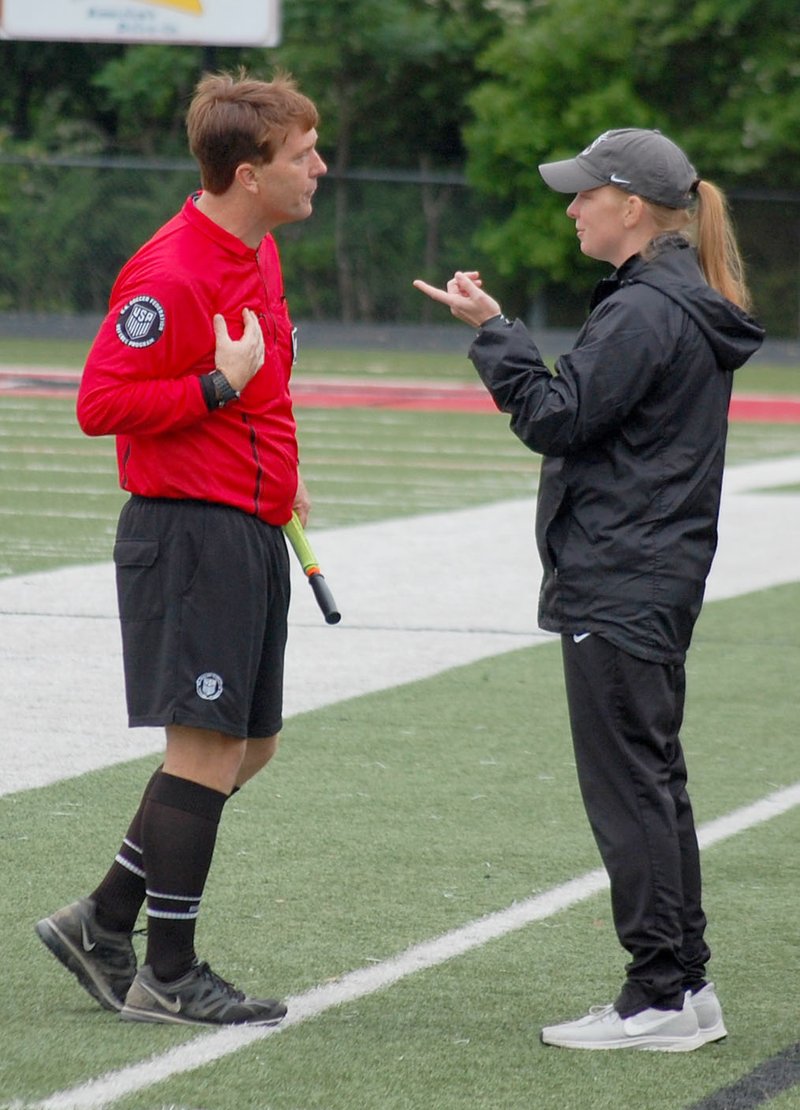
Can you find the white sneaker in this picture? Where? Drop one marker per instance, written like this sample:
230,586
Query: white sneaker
709,1014
652,1030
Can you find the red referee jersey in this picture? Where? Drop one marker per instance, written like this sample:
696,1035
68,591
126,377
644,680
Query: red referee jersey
141,381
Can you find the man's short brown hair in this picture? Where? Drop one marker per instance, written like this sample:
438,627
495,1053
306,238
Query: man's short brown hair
235,119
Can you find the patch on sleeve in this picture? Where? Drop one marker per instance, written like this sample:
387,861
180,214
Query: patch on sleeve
141,322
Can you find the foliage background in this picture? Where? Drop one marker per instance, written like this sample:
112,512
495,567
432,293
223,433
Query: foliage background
435,115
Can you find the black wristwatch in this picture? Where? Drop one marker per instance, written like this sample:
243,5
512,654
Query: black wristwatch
223,390
499,320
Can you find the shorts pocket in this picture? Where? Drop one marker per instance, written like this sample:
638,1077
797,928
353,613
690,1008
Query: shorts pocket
139,591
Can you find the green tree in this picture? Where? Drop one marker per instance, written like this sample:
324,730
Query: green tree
147,89
721,77
36,77
390,78
419,87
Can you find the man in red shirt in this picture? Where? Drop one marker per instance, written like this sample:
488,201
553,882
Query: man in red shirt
190,371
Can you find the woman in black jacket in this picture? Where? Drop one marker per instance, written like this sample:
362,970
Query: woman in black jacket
632,428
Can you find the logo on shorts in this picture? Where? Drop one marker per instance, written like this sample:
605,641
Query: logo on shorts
208,686
141,322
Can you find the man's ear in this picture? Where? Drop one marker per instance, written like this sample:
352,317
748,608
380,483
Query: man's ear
245,176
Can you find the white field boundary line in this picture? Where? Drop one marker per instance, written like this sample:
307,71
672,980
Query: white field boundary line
108,1088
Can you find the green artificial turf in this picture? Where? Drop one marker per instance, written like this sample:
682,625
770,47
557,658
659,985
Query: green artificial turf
392,818
59,497
389,819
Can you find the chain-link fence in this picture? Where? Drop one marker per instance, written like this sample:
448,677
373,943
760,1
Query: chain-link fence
67,226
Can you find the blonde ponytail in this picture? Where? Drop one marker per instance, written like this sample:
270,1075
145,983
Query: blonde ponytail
707,224
717,249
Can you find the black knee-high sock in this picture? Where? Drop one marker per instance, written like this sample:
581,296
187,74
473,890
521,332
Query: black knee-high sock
120,895
179,832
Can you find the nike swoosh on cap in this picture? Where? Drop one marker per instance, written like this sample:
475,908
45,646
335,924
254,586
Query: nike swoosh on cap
618,180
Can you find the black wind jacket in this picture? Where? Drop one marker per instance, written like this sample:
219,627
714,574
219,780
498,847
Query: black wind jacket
633,428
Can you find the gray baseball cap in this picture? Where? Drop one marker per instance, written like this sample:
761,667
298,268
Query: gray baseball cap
646,163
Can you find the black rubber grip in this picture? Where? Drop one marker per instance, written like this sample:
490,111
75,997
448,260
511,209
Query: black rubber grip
324,598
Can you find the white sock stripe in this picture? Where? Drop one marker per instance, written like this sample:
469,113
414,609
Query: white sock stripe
173,897
134,847
168,907
138,871
163,915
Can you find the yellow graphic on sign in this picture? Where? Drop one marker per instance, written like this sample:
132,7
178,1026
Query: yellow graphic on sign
193,6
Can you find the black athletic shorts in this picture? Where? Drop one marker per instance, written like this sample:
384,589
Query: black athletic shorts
203,592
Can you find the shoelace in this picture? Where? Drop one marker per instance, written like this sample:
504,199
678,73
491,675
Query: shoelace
220,983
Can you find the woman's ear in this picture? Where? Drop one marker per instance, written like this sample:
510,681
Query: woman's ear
633,212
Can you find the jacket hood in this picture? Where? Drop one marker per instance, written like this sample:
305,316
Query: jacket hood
731,333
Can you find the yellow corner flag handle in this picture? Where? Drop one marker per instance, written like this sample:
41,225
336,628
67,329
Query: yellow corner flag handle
296,535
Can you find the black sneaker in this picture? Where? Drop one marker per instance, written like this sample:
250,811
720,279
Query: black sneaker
198,998
104,963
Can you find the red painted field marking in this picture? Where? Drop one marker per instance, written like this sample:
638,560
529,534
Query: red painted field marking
415,396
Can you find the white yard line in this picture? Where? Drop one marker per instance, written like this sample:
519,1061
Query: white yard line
206,1048
419,595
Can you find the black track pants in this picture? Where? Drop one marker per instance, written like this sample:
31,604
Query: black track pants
626,715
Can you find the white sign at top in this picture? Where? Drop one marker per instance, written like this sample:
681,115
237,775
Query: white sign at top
192,22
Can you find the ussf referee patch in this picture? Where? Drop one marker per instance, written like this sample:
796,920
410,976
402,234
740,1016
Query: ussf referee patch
141,322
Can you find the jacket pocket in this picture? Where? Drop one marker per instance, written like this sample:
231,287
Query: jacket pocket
139,593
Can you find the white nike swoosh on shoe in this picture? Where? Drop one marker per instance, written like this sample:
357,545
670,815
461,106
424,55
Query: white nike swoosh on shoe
641,1024
578,636
86,938
171,1005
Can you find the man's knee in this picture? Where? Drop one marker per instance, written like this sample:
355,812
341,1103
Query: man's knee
260,751
204,756
267,747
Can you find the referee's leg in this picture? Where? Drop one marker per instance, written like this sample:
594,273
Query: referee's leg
214,759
